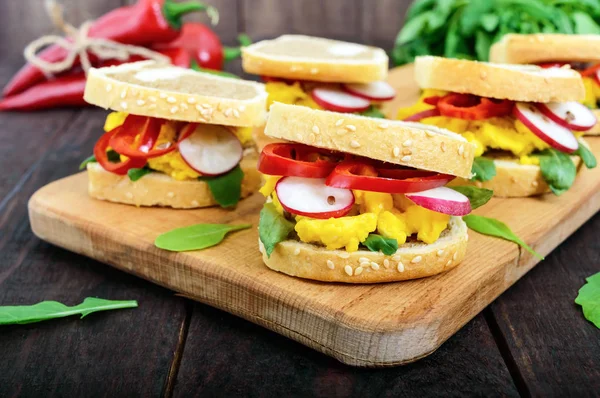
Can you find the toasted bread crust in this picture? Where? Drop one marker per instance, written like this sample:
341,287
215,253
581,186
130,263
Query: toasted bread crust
158,189
117,88
545,47
527,83
411,261
331,68
408,144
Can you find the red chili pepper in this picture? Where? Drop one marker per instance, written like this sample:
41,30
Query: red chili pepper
296,160
422,115
144,23
201,44
120,168
472,107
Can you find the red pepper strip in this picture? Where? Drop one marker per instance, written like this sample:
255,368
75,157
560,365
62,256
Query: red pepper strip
591,71
144,23
472,107
548,65
402,173
422,115
124,140
432,100
120,168
296,160
355,175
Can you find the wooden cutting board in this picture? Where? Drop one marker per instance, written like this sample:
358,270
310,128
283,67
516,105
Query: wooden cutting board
362,325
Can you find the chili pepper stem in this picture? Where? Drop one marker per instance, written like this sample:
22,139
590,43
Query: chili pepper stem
174,11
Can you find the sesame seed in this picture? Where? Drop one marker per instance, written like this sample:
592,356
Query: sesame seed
191,100
199,108
355,144
170,194
162,95
124,105
375,266
152,106
195,203
134,91
296,251
455,256
206,106
397,257
386,263
314,71
348,270
174,109
227,112
461,149
535,183
242,108
407,143
108,87
443,146
384,126
236,113
406,152
141,102
429,133
183,106
396,151
364,260
351,127
294,68
171,100
440,253
406,158
299,137
123,94
448,263
466,237
344,255
315,129
400,267
312,137
416,260
339,122
129,195
330,264
483,74
358,270
152,99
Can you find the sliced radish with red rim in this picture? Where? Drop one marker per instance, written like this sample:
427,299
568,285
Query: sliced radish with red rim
443,200
337,100
211,150
553,134
375,91
572,115
310,197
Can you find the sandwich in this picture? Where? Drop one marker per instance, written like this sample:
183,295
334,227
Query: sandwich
553,50
524,121
177,138
342,206
320,74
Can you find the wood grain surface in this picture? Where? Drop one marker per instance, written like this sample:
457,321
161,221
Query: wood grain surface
373,325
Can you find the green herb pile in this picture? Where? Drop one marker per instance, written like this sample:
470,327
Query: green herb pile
467,28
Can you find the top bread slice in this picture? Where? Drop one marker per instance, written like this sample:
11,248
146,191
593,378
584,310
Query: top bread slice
546,47
528,83
147,88
300,57
403,143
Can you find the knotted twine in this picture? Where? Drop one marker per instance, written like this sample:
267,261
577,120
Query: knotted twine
77,43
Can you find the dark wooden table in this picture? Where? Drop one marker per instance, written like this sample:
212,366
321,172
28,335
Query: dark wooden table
533,340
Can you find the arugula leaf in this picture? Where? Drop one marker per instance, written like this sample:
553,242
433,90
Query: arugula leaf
589,299
584,24
377,243
477,196
489,22
492,227
196,237
111,155
135,174
373,111
587,157
471,16
226,188
558,170
483,42
483,169
273,227
198,68
46,310
91,159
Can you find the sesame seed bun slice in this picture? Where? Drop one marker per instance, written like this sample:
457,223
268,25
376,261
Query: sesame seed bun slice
402,143
299,57
164,91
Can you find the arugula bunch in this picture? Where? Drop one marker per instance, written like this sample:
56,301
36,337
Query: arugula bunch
468,28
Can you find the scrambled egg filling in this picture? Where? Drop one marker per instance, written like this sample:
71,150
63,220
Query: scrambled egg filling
292,94
171,163
592,93
501,133
392,216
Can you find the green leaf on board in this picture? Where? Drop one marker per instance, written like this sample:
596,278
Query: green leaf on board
587,157
196,237
226,188
492,227
558,170
377,243
477,196
135,174
483,169
46,310
589,299
273,227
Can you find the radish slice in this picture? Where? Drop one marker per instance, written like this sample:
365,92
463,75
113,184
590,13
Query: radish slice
211,150
337,100
553,134
310,197
443,200
375,91
572,115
